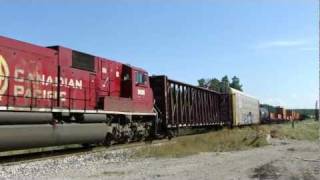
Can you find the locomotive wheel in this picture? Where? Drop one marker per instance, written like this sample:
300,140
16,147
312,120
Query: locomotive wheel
108,140
140,137
170,135
126,139
89,146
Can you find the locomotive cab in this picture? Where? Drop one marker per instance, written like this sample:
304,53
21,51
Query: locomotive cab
133,78
135,92
126,81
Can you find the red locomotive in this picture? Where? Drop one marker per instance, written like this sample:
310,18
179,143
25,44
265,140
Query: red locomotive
58,79
57,85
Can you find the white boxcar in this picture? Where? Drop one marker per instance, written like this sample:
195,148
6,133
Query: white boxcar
245,109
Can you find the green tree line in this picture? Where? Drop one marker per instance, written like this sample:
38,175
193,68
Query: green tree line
222,85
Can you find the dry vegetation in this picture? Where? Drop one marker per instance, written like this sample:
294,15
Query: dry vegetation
304,130
232,139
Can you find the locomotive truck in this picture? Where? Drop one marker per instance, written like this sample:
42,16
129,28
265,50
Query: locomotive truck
54,95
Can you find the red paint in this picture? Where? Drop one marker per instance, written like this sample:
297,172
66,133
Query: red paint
33,73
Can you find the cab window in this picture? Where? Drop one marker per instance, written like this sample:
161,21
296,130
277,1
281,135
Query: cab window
141,77
126,77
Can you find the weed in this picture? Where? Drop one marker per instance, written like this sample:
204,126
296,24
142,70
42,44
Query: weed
231,139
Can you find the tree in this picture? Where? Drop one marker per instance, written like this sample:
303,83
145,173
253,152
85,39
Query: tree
220,86
224,84
236,83
202,82
214,84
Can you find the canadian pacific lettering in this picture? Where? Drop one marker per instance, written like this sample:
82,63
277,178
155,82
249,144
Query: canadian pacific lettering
23,80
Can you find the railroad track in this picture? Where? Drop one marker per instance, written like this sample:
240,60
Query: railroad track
23,156
19,157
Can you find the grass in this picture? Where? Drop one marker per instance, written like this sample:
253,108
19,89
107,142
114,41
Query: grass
304,130
231,139
116,173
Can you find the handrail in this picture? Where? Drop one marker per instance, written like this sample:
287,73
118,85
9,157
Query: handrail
71,98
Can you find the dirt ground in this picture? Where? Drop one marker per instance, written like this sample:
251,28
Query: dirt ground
283,159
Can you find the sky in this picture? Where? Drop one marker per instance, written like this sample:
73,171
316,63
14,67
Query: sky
271,45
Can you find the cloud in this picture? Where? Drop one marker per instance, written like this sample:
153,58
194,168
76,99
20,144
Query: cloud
282,44
309,49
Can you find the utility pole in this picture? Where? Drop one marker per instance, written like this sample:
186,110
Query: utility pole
319,61
316,112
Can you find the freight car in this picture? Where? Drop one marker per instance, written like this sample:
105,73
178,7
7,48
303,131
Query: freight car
182,105
245,108
278,114
265,115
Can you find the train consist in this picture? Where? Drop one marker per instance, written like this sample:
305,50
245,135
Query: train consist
278,114
53,96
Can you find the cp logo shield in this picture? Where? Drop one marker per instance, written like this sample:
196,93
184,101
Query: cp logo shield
4,76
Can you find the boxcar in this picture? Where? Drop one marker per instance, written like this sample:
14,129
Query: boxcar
245,109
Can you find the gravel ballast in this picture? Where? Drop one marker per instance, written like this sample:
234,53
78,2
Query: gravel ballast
281,160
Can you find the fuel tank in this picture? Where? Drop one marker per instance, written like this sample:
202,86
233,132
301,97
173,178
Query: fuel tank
25,118
94,118
13,137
